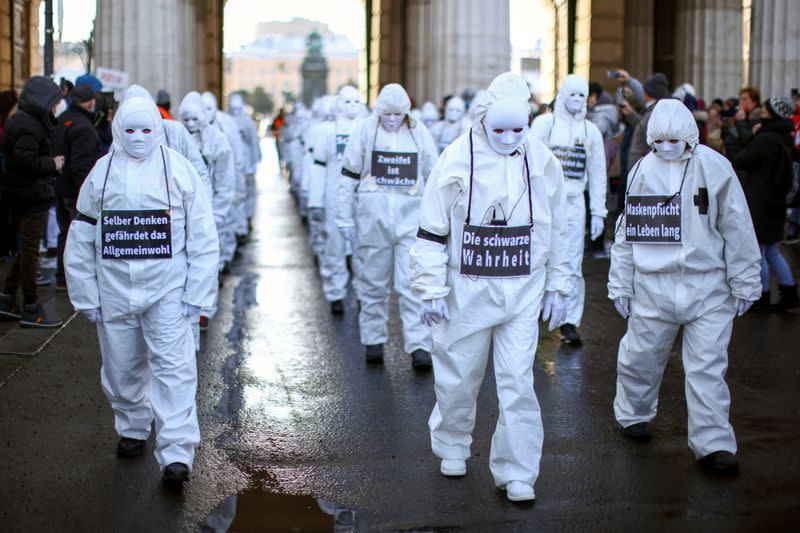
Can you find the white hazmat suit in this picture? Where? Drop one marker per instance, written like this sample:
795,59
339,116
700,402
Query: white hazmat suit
578,144
453,125
252,149
142,255
228,126
324,110
331,141
690,276
388,163
492,291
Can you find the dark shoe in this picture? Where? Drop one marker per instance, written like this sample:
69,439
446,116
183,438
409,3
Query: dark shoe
337,307
720,463
763,304
128,448
640,431
788,297
421,359
569,334
33,316
9,310
203,323
175,474
61,286
42,280
374,353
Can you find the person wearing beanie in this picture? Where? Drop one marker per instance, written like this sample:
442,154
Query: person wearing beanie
766,169
76,138
163,104
655,88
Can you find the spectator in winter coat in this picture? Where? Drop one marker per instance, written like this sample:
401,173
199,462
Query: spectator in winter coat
76,139
28,185
739,131
766,167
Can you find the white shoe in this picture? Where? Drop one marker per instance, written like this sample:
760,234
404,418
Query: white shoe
517,491
453,467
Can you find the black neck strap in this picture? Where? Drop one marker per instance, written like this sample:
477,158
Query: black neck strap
108,170
472,176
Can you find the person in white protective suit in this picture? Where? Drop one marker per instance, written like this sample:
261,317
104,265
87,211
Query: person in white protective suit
387,163
141,261
218,156
490,252
685,254
324,109
578,144
331,140
227,125
252,152
448,130
430,115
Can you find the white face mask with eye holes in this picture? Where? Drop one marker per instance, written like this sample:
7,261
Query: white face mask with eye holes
668,150
574,103
138,134
506,125
391,122
191,119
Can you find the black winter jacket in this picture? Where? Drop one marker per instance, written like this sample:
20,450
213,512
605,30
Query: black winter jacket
28,181
766,171
76,139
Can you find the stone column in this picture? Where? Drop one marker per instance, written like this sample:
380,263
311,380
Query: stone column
639,35
152,40
775,46
455,44
709,47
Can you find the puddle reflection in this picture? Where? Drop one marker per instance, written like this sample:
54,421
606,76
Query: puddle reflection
254,511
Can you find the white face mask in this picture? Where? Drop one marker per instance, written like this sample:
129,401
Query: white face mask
506,125
349,103
454,111
391,122
235,108
138,134
191,120
669,151
574,103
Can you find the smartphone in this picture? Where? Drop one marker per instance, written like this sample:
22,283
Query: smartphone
612,74
620,96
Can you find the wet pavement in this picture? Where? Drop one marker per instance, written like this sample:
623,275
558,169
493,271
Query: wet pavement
299,434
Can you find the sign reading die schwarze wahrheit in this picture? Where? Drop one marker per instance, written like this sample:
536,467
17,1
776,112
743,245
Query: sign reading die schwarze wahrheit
496,251
653,219
394,169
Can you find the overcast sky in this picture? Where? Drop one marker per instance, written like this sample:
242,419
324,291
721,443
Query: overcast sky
343,16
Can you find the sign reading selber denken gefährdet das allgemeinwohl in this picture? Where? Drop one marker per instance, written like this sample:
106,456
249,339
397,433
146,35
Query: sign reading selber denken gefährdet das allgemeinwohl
143,234
496,251
394,169
653,219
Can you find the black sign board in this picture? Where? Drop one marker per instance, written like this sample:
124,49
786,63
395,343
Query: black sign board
394,169
573,160
341,144
653,219
496,251
141,234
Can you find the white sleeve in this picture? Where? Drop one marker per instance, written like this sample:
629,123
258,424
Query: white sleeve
352,171
558,274
202,244
541,127
319,170
596,172
224,185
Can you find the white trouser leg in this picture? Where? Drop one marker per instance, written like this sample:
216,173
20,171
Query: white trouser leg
458,371
333,262
416,336
374,284
576,228
705,361
173,380
517,441
315,237
124,375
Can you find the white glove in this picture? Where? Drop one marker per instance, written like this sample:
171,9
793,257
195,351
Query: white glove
623,306
190,311
317,214
598,225
742,306
554,308
92,315
348,233
433,311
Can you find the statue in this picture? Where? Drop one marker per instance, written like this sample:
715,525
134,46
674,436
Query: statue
314,70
